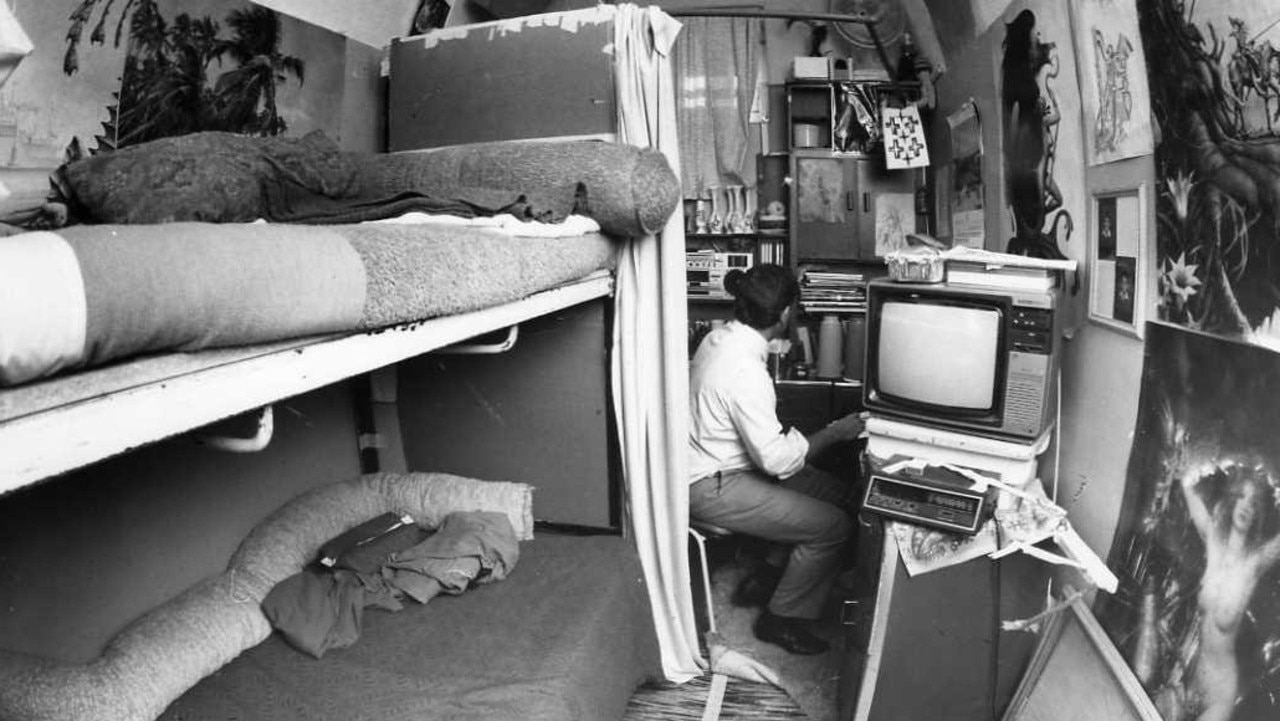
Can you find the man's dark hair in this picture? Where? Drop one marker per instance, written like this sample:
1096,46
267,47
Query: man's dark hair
761,294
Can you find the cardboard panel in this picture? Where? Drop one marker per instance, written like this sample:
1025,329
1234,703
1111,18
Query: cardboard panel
537,414
547,76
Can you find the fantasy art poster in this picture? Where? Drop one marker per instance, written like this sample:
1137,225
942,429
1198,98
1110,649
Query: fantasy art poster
1040,135
1113,80
1197,547
1215,95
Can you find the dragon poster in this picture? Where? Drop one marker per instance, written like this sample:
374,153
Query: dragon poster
1040,134
1215,99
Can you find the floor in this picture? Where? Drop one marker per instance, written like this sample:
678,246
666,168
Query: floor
811,681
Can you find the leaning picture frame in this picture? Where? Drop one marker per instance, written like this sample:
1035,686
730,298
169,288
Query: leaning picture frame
1076,673
1118,257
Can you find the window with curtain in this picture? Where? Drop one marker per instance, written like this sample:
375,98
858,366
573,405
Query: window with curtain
718,74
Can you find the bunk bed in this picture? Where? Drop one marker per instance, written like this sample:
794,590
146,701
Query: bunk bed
570,630
569,633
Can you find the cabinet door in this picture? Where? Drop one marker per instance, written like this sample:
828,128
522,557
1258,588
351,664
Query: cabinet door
849,208
824,208
886,205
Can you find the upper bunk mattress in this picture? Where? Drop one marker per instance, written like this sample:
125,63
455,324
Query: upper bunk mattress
86,295
168,258
567,636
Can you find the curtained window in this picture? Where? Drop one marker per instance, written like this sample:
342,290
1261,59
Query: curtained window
718,73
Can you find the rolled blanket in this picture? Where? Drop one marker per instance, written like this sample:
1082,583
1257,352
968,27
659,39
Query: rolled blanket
225,178
630,191
292,203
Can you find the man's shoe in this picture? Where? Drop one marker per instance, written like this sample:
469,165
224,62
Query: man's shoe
789,633
756,588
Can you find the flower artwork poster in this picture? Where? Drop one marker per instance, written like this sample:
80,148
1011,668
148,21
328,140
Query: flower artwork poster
1215,95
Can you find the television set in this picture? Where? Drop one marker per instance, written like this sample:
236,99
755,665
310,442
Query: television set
963,358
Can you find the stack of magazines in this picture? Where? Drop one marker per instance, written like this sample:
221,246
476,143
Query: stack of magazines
832,292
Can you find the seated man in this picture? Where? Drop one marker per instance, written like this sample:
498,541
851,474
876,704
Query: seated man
749,475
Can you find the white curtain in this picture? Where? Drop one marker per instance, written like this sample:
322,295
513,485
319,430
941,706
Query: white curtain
650,355
717,64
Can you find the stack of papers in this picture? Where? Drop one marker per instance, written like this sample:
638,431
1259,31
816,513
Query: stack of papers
832,292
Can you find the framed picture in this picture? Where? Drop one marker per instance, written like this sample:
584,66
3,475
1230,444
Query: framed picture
1113,80
1077,673
1118,259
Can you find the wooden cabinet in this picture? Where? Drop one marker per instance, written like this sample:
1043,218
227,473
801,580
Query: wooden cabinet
837,201
841,196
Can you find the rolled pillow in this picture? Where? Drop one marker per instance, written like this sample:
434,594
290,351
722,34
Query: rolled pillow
144,667
291,537
629,191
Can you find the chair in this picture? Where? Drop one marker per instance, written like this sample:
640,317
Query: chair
703,533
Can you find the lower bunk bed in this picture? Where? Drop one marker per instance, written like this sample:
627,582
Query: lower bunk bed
566,635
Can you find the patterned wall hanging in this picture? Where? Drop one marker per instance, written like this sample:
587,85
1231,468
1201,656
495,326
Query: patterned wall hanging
904,142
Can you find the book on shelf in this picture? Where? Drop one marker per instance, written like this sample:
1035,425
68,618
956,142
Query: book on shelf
823,277
771,251
823,308
832,292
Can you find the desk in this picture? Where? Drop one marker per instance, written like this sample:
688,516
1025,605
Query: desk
930,646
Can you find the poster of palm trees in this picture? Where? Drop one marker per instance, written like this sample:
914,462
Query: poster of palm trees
1197,547
1215,96
167,84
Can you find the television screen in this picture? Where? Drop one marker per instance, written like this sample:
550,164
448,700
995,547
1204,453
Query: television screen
939,354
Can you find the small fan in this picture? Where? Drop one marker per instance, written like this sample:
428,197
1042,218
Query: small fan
890,21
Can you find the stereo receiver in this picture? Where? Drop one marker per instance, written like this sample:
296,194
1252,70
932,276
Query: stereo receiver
705,271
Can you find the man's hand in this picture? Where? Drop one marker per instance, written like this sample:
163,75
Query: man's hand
847,428
840,430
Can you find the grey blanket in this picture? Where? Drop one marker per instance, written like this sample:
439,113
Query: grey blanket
225,178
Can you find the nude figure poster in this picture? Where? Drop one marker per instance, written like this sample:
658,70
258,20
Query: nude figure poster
1197,613
1042,151
1113,80
1214,82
